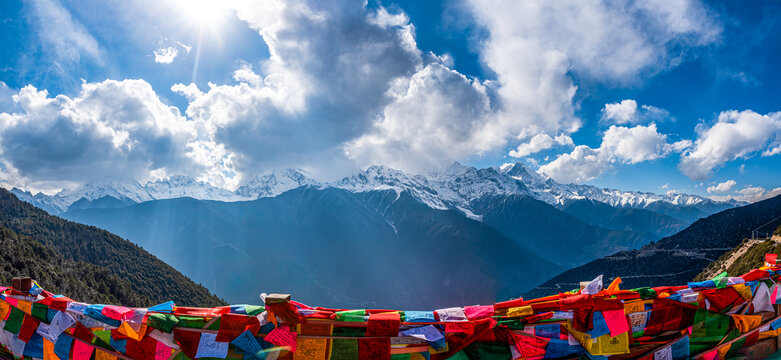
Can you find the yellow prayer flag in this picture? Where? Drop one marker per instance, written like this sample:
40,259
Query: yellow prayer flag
583,338
743,290
723,351
520,311
614,285
634,306
746,323
772,334
127,330
102,355
48,350
311,349
25,306
607,345
4,308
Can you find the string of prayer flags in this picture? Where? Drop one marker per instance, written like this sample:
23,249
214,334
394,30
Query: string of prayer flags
723,316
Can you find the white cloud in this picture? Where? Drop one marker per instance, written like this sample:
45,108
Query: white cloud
626,112
581,165
734,135
533,49
636,144
538,143
620,113
112,128
62,35
620,145
166,55
722,187
750,194
451,120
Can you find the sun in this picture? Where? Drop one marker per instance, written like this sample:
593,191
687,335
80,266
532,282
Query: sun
204,14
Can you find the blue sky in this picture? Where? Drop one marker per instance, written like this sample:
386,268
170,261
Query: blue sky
651,96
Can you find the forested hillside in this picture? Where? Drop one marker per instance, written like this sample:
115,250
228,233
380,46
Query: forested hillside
87,263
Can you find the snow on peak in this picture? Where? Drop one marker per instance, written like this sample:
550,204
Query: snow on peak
184,186
114,187
274,183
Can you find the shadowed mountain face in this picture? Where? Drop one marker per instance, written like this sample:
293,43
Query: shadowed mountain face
677,259
331,247
555,235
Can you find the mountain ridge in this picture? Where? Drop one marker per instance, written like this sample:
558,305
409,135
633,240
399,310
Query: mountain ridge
454,187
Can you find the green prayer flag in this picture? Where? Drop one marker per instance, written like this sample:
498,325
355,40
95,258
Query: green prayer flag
103,339
253,310
351,315
646,293
162,322
461,355
348,331
710,326
346,349
401,356
215,325
14,322
40,311
721,280
191,322
488,351
514,324
735,348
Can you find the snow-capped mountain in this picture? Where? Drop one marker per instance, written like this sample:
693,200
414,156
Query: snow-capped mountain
458,186
275,183
455,187
185,186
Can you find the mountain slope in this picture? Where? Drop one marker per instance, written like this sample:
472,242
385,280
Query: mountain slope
148,277
22,256
674,259
554,235
603,215
330,247
750,254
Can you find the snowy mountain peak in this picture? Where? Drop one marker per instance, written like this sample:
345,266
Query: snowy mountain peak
274,183
114,187
184,186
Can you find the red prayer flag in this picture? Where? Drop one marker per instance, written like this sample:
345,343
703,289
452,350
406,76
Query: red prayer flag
232,325
188,341
83,333
529,346
142,350
374,349
771,258
386,324
29,325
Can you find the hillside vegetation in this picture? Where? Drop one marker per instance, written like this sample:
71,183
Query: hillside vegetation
750,254
87,263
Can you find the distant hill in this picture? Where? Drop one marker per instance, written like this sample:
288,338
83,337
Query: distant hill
86,263
675,259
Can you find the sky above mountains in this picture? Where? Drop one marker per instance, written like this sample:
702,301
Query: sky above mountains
651,96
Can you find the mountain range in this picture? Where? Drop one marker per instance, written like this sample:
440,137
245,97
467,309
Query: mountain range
431,240
679,258
455,187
